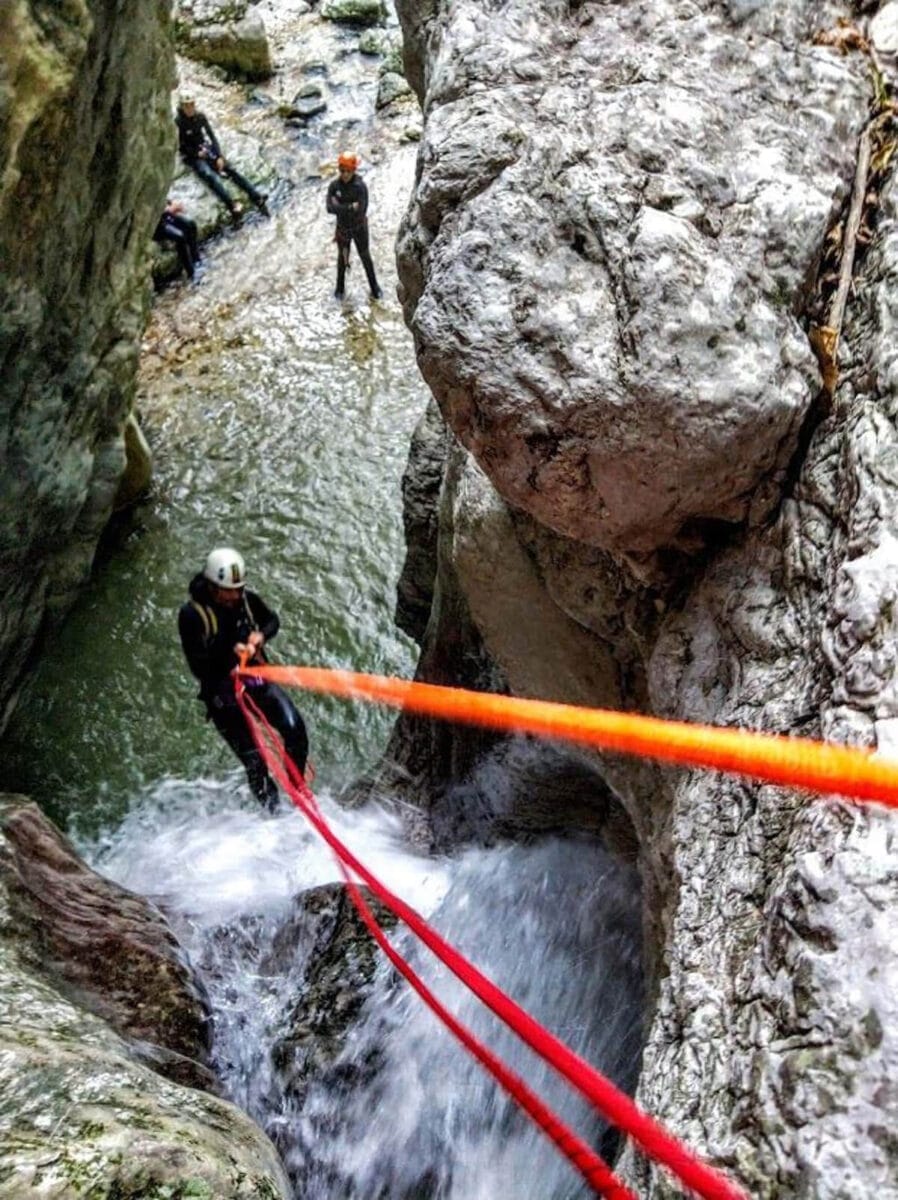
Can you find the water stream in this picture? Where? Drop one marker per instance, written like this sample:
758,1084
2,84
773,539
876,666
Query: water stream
556,924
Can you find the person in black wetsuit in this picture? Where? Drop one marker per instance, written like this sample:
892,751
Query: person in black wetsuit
347,200
221,619
173,226
199,148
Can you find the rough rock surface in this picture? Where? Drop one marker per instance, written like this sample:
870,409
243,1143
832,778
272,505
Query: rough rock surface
328,934
100,995
618,211
85,149
606,267
354,12
107,948
226,34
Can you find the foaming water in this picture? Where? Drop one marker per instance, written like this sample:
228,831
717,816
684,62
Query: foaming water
227,876
556,924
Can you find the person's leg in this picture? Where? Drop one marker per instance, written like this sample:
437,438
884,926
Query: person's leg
212,179
184,255
342,263
361,241
282,714
254,194
230,723
191,238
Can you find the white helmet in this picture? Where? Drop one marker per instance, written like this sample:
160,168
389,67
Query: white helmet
225,567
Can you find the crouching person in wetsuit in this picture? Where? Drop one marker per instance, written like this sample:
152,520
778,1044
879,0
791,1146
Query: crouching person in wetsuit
221,619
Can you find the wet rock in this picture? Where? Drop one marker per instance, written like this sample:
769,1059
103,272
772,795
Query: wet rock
138,466
421,483
308,102
227,35
389,88
106,947
100,994
769,1046
643,377
326,932
354,12
85,151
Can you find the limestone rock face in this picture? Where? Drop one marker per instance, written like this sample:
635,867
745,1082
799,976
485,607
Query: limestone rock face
100,995
85,149
610,312
618,214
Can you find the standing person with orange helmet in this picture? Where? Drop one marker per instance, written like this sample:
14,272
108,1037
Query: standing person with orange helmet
222,620
347,200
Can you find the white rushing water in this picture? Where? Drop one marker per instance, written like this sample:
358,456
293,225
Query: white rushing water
405,1112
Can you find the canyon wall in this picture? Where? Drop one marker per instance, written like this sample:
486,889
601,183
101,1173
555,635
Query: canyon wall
86,144
620,240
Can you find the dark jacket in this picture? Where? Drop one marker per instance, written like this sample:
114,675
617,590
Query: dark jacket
210,631
195,133
340,200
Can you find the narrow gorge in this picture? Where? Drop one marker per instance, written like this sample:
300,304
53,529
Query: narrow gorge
620,435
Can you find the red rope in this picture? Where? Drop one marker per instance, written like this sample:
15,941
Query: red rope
609,1100
591,1166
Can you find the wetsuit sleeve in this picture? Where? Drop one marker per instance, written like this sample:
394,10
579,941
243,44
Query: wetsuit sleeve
183,148
190,627
363,199
333,205
267,621
213,142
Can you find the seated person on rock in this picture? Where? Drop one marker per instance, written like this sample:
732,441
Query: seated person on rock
220,621
173,226
200,151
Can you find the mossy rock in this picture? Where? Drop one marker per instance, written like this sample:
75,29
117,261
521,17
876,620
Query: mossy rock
354,12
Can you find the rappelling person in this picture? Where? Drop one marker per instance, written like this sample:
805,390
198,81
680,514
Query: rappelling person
199,149
347,200
222,620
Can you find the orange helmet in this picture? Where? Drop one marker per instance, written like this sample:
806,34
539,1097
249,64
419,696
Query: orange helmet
347,162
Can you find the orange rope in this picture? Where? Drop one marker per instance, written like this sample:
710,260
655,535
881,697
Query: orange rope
796,762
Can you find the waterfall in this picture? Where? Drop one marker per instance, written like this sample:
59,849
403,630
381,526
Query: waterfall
405,1112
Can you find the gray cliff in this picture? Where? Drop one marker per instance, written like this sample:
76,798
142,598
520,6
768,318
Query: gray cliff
612,266
85,154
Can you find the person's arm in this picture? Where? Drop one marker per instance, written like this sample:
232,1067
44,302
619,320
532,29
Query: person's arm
266,619
334,207
183,148
193,641
363,201
213,141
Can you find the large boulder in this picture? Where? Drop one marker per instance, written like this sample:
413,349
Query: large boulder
354,12
108,1025
608,249
109,949
224,33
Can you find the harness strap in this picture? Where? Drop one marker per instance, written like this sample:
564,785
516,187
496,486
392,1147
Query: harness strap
208,618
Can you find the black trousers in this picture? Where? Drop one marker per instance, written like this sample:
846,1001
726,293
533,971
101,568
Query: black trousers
280,711
345,238
181,231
